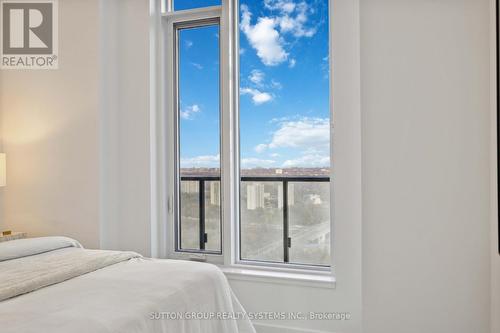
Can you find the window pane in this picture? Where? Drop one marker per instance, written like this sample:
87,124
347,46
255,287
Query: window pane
285,114
212,215
190,215
262,221
199,122
309,227
190,4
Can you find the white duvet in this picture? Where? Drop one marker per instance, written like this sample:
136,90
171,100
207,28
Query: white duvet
53,285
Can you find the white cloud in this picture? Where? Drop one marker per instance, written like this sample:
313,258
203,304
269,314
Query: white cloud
189,43
308,160
260,148
256,162
197,65
264,38
275,84
207,161
302,133
258,97
292,63
267,35
282,5
296,24
189,111
309,136
286,23
257,77
325,67
282,119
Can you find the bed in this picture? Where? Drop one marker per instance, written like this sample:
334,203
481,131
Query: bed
53,284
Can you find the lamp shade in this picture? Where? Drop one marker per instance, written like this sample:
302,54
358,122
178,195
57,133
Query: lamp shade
3,170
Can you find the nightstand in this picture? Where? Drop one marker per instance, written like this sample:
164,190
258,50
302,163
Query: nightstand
13,236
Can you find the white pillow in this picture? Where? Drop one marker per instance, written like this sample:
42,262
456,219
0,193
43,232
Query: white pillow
30,246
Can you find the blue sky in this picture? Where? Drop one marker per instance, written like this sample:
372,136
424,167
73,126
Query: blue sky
284,86
190,4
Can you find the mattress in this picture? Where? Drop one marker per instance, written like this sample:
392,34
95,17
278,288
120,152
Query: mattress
54,285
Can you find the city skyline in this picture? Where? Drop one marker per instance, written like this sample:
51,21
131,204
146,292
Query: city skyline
256,172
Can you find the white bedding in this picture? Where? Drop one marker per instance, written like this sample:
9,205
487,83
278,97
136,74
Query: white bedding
31,246
135,295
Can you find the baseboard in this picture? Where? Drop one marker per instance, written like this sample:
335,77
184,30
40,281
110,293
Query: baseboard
271,328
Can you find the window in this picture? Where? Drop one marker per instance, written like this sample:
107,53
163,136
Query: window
250,102
198,113
285,131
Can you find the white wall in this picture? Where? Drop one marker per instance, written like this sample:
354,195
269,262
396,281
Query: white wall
50,134
77,137
426,165
77,143
3,225
124,125
495,257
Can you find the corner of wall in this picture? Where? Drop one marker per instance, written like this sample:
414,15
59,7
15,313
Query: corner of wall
2,220
495,256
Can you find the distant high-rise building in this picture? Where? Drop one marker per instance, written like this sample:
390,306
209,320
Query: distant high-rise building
255,196
315,199
189,186
215,193
291,194
280,196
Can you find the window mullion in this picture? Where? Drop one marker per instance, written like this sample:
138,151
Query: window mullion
286,236
170,72
229,98
201,188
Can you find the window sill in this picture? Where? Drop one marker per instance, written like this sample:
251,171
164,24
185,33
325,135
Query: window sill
283,277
